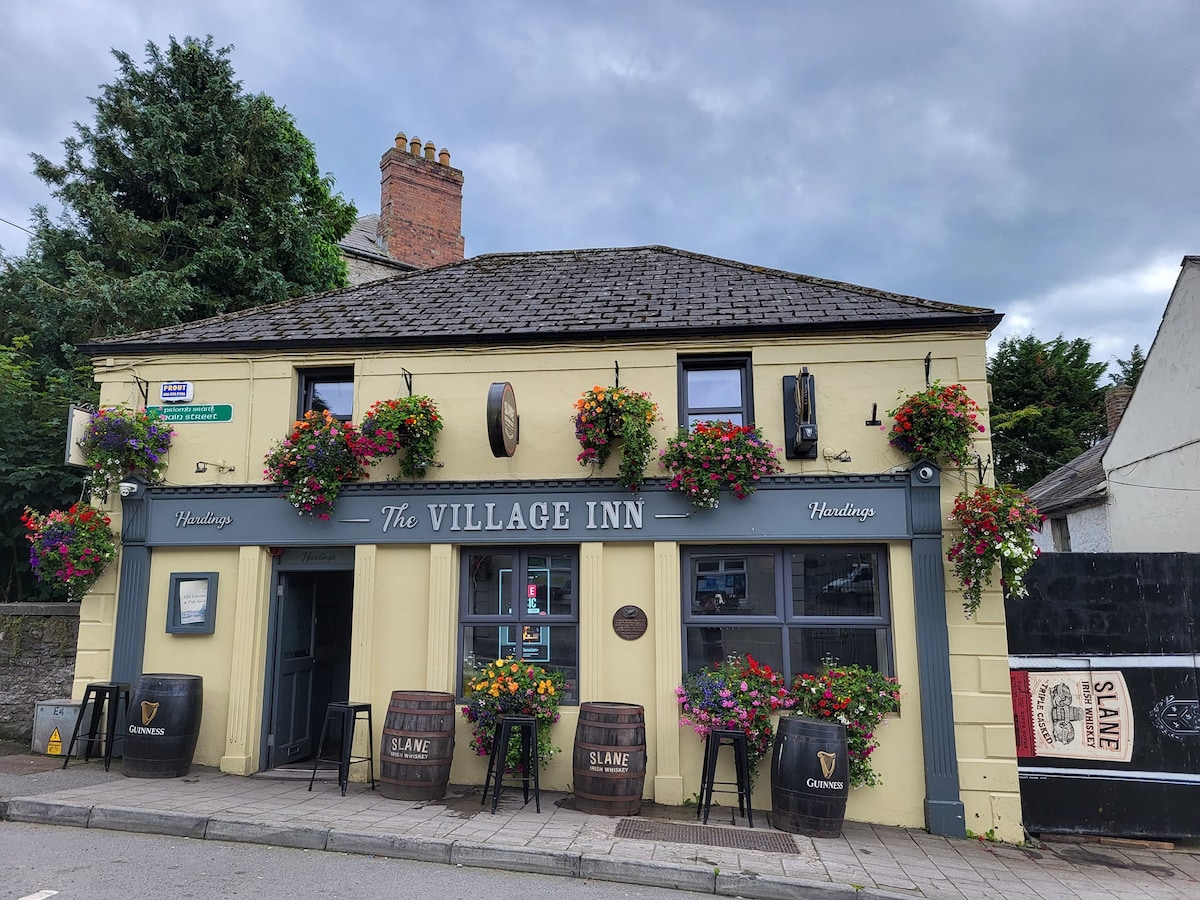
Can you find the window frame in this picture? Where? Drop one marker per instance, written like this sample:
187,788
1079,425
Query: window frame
310,378
520,616
784,619
739,362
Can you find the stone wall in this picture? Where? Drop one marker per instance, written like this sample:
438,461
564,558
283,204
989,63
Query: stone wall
37,661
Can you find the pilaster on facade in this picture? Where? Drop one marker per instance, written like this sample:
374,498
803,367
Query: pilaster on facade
442,636
247,671
668,781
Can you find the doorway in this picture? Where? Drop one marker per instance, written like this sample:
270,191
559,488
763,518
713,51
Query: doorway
311,660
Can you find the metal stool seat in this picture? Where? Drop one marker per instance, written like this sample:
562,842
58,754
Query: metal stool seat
104,697
716,739
527,765
347,713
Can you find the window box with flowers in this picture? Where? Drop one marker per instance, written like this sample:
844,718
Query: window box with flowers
407,427
606,415
119,442
739,693
70,547
314,461
508,686
937,423
997,525
857,697
717,456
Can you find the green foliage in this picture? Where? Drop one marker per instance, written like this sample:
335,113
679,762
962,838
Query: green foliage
314,461
507,686
997,525
184,198
717,456
1047,406
937,423
34,397
119,442
70,547
187,197
605,415
1130,369
409,425
859,698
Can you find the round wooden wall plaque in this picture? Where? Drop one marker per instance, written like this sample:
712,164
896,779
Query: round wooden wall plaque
629,622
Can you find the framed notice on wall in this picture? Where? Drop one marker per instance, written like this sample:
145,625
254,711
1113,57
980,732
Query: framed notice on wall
192,603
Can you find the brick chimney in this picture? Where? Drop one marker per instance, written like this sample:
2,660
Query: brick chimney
1116,398
420,210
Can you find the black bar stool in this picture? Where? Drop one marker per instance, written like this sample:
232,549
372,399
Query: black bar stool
528,764
347,713
104,697
718,738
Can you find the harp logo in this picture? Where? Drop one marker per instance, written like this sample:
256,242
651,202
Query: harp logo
828,763
149,711
828,760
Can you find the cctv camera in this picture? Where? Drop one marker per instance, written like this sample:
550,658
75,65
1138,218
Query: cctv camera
127,488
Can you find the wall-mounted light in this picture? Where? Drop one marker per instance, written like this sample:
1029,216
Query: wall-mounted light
219,465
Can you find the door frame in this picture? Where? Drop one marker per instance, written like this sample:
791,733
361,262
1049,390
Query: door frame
285,562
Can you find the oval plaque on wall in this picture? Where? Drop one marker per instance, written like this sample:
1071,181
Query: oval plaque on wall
503,423
629,622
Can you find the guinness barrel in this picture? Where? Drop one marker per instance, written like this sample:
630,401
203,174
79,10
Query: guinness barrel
609,762
418,745
810,777
163,725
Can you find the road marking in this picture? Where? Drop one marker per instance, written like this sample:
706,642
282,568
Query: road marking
40,895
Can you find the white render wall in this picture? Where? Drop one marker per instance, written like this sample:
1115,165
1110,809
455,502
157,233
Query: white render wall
1153,461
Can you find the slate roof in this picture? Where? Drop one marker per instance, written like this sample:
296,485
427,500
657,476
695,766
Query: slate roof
650,292
1078,484
363,240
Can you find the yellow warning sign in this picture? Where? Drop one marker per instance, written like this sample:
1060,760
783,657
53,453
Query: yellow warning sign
54,745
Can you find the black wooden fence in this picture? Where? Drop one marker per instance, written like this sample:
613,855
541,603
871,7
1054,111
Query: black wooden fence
1103,662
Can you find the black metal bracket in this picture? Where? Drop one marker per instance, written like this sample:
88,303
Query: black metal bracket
982,466
928,365
144,387
408,376
873,422
616,373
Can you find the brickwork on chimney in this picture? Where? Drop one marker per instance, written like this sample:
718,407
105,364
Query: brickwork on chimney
420,213
1116,398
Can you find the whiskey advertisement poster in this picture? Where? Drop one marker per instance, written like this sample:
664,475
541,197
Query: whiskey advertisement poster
1072,715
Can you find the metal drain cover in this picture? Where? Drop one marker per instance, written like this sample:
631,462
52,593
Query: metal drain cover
706,835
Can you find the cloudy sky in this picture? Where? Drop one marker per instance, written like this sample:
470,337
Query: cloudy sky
1039,158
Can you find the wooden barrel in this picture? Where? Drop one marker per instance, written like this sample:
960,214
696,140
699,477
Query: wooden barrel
609,762
810,778
163,725
418,745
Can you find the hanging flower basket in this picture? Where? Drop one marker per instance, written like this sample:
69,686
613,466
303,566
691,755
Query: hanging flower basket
997,526
938,423
606,415
739,693
314,461
71,547
407,427
857,697
510,687
119,442
717,456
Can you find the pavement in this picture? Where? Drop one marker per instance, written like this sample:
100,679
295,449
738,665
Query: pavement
661,847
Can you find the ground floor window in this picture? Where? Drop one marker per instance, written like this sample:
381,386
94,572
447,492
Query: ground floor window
522,603
789,606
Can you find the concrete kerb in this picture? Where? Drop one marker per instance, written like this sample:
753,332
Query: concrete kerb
42,812
772,887
394,846
652,874
154,821
515,859
249,831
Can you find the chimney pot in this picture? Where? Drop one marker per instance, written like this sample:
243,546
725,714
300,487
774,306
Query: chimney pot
420,211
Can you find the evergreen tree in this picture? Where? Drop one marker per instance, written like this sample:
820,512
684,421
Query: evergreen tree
1047,406
1130,369
187,197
